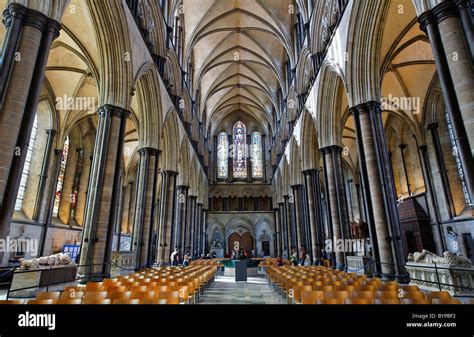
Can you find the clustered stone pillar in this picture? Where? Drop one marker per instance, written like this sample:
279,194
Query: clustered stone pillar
204,228
165,219
29,35
199,229
281,215
336,200
367,201
188,227
382,191
180,216
288,222
298,215
104,188
315,218
144,206
192,224
276,213
456,78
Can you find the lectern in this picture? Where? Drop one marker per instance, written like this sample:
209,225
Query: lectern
240,270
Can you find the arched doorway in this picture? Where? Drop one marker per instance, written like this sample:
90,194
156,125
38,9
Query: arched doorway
245,242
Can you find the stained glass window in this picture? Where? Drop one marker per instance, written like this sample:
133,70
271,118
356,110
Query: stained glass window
256,155
222,155
240,163
60,182
26,168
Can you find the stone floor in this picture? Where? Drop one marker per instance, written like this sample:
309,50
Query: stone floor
224,290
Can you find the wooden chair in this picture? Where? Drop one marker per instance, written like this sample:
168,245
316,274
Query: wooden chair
97,301
363,294
331,301
410,287
338,294
74,288
69,301
155,301
413,295
10,302
114,288
349,288
137,288
47,301
371,287
144,295
120,295
386,301
389,287
310,297
415,301
358,301
297,292
445,301
126,301
327,288
387,294
172,297
95,295
439,295
95,286
71,295
52,295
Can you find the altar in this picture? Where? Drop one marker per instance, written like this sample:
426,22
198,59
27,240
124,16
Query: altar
230,267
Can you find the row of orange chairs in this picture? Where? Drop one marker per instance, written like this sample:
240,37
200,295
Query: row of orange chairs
167,285
320,285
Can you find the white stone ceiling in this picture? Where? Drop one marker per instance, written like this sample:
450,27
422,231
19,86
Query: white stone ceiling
238,48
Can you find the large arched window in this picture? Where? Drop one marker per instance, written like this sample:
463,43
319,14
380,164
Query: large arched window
256,155
60,182
240,163
222,155
26,168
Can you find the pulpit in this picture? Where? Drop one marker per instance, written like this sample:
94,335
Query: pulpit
240,270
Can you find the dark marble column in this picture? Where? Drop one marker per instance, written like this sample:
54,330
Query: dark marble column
336,200
13,18
314,216
192,224
104,188
144,206
277,231
288,222
466,21
165,219
249,159
180,216
298,213
188,227
199,229
462,122
19,97
281,217
204,229
376,164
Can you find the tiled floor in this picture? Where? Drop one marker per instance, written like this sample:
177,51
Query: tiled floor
224,290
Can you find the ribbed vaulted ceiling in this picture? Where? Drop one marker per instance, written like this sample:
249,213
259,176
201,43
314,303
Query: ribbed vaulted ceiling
238,48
